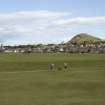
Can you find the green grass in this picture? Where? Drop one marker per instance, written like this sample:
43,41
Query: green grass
25,79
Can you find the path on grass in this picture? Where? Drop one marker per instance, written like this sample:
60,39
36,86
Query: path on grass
49,71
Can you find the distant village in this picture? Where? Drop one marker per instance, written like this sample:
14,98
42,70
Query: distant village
54,48
82,43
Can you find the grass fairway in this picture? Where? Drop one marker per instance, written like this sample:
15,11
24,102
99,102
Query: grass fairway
25,79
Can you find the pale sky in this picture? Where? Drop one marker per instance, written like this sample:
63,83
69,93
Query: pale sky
49,21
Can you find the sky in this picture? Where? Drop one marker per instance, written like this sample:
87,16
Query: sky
49,21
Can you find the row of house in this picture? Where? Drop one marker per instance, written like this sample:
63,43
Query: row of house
54,48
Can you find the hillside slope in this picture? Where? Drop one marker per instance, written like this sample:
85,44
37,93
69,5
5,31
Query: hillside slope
83,37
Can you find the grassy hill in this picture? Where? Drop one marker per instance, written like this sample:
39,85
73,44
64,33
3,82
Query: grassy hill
83,37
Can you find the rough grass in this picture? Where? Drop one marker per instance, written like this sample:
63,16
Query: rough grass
83,84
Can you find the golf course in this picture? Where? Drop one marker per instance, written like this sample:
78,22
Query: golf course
25,79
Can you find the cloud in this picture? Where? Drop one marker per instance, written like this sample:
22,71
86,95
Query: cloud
27,20
82,21
26,25
40,26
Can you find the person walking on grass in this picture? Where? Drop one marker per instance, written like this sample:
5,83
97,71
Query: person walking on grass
52,67
65,66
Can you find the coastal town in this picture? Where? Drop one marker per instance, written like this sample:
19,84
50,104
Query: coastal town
73,46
